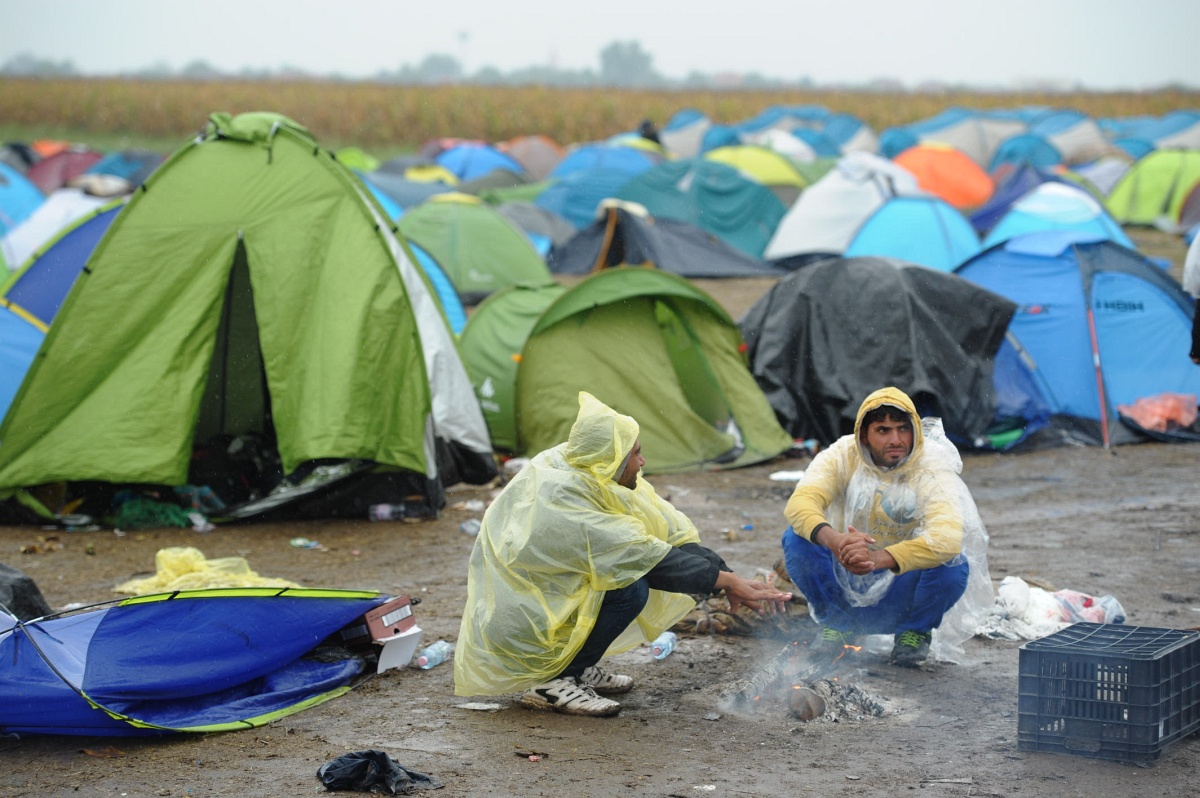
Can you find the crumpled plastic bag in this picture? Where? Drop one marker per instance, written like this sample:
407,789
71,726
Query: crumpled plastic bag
1024,612
1162,412
373,771
186,568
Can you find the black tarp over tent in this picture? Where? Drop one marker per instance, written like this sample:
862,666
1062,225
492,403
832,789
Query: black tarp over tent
830,333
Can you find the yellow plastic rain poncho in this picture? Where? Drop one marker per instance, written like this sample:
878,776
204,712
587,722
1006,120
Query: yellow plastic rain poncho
561,534
920,511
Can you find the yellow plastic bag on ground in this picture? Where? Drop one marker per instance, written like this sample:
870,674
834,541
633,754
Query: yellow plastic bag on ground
186,568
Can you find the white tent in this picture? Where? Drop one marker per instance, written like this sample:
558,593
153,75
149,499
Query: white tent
829,212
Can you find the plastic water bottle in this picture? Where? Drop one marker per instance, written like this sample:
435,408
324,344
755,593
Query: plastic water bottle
433,655
663,645
386,512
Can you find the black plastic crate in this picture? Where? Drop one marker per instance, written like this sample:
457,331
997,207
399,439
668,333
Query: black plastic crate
1109,691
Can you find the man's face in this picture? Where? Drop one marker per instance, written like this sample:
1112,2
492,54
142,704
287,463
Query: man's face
628,477
889,441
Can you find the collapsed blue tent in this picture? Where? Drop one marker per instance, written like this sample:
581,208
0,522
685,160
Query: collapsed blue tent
1104,324
189,661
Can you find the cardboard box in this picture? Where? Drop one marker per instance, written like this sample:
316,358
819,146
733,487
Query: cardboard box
385,621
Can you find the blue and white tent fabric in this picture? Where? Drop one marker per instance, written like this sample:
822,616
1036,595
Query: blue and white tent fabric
59,210
921,230
41,286
1057,206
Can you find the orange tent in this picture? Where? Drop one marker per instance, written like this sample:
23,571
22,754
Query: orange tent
948,173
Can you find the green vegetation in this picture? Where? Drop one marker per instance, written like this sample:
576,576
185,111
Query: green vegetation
387,119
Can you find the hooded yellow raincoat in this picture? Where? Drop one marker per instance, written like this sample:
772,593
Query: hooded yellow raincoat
561,534
919,510
910,509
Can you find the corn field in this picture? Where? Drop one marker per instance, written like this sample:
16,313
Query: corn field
398,117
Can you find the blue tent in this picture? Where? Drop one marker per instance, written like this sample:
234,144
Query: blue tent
604,157
1055,206
392,209
403,193
576,196
20,337
19,198
1026,148
921,230
712,196
1020,182
132,165
471,161
447,295
189,661
43,283
1104,324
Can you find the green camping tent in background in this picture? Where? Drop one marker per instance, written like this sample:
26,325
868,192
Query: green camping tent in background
252,290
1152,192
646,342
480,249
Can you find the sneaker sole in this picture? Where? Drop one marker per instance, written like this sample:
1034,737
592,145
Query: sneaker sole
535,701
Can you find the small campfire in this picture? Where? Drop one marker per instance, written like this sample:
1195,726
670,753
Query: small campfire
811,691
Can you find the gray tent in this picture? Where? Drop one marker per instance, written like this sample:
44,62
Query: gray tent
834,331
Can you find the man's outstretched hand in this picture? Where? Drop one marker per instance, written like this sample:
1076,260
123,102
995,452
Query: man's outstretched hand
758,596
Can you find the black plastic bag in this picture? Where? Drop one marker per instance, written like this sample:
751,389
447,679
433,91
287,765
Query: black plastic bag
373,771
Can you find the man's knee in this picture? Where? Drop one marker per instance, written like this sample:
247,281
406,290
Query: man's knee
632,597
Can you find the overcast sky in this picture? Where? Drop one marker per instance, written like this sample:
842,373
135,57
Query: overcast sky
1101,44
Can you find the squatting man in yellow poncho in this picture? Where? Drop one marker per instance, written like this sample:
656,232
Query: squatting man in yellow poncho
885,538
576,558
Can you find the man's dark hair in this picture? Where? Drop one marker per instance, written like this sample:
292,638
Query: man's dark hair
888,412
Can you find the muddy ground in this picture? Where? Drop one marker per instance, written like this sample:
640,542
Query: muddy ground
1122,522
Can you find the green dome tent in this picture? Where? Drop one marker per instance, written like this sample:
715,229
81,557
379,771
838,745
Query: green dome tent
646,342
480,249
253,291
1153,191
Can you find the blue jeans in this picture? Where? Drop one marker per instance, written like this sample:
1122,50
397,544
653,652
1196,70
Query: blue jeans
915,601
619,609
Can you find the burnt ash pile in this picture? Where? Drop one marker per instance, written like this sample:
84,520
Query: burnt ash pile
808,688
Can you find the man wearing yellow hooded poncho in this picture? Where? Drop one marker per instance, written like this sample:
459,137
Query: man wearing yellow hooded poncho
576,558
886,539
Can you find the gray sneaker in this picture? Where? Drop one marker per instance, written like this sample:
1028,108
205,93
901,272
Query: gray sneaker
605,682
565,695
911,649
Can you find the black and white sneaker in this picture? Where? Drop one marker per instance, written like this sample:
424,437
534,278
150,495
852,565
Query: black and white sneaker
605,682
565,695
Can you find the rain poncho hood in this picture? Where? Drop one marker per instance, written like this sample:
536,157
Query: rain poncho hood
556,538
919,510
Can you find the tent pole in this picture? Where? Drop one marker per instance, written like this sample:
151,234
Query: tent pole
1099,377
